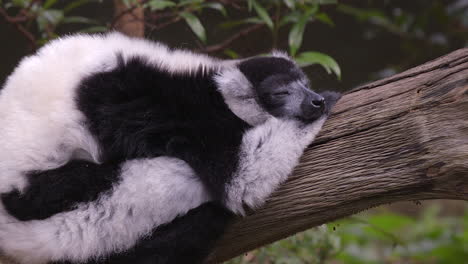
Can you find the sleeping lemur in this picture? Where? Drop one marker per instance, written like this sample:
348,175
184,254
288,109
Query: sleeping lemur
120,150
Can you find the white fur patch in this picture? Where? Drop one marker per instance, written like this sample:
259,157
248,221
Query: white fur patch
152,192
240,97
269,153
174,61
281,54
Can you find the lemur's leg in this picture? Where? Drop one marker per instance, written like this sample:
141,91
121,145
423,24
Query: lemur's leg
58,190
150,193
187,239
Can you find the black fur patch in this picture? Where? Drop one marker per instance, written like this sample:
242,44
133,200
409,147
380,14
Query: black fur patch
187,239
58,190
257,69
138,111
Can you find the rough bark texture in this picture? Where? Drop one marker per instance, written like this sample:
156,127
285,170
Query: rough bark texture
400,138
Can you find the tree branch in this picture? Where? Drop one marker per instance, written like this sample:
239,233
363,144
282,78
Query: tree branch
227,42
16,22
129,20
398,139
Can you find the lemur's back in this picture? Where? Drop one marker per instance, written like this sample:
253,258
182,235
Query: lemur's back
42,127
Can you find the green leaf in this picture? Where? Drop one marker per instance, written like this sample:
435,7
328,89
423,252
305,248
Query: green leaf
234,23
291,4
312,9
190,2
48,17
95,29
361,13
21,3
79,19
296,34
195,24
231,53
127,3
327,2
390,222
74,4
297,31
322,17
308,58
48,4
291,17
159,4
263,14
250,4
216,6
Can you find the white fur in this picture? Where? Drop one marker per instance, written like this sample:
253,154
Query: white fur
269,153
281,54
152,192
239,95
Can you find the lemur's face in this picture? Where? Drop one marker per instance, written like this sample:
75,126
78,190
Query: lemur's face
282,88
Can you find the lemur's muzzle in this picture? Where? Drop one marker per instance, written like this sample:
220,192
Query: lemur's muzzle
312,106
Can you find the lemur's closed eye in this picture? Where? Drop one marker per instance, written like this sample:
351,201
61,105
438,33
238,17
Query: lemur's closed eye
281,93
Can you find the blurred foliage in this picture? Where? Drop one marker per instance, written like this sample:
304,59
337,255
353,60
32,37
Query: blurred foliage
435,23
46,16
382,237
434,26
43,17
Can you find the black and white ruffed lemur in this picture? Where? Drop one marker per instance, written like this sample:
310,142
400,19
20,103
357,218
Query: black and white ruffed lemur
121,150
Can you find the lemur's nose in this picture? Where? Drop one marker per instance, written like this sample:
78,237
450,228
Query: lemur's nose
318,101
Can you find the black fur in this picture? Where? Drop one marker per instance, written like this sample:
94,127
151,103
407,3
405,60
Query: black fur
187,239
257,69
137,111
58,190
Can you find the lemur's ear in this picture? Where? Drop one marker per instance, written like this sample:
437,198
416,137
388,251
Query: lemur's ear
232,83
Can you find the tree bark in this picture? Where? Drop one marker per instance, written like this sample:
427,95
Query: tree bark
129,19
398,139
